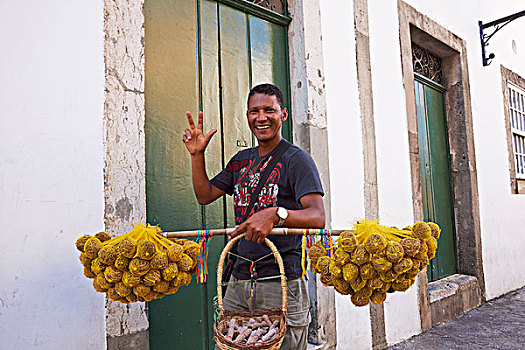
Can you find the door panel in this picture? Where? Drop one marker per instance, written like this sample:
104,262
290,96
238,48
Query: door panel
269,57
198,57
435,176
235,80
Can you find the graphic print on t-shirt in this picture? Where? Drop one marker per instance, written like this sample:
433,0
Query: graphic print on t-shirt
250,173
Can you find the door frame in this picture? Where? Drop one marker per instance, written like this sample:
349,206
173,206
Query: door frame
417,28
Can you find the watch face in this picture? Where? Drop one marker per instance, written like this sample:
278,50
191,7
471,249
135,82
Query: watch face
282,213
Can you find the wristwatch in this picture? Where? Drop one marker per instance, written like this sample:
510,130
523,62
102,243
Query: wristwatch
282,214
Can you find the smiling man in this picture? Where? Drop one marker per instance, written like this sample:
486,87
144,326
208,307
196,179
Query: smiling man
290,196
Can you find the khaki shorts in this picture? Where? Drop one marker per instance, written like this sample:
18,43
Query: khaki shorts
268,296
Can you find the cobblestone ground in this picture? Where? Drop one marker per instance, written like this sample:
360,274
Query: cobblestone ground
497,324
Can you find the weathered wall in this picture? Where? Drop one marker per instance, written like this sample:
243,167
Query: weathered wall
346,150
124,171
51,172
501,213
307,80
402,318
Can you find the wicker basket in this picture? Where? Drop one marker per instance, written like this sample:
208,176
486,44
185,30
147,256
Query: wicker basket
274,314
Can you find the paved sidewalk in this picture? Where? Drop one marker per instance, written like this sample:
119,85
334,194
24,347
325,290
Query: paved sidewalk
497,324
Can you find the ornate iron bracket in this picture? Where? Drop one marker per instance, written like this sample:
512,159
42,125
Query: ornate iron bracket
497,24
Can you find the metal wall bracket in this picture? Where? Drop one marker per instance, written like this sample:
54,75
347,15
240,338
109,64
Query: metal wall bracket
497,24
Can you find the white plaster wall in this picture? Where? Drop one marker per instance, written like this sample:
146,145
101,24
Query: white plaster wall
402,319
51,181
345,151
501,213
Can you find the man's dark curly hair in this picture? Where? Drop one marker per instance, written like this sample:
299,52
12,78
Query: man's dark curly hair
267,89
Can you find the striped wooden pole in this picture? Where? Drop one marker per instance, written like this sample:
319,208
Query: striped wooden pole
276,231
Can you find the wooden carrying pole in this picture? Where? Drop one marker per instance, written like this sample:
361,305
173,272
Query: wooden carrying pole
226,231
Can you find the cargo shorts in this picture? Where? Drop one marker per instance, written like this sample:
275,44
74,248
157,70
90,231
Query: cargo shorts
269,296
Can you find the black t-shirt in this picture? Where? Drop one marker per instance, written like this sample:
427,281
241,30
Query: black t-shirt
294,176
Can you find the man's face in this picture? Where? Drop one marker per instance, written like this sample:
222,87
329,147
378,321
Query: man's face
265,117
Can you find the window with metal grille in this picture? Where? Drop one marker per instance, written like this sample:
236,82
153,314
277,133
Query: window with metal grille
516,97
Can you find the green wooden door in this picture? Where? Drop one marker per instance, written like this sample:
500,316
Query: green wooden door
200,55
435,173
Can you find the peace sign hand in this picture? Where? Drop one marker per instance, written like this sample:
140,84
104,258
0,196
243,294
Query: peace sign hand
194,139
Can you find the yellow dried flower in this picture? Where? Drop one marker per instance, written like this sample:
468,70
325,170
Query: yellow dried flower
394,251
326,280
350,272
378,297
422,253
97,287
421,230
323,265
185,263
159,261
88,273
185,278
388,276
81,242
127,247
161,287
103,236
410,246
359,255
132,298
401,285
375,243
366,271
342,286
128,279
92,246
102,282
84,259
122,289
335,270
97,266
386,286
315,252
359,300
358,283
347,241
381,265
113,295
375,283
192,249
151,278
170,272
432,247
141,290
122,263
403,266
139,267
107,255
112,274
175,253
436,230
146,250
171,290
423,263
341,257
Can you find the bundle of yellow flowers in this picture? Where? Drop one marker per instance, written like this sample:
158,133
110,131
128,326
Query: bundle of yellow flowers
139,265
372,260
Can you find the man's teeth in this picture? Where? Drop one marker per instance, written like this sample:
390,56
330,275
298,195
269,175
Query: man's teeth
262,127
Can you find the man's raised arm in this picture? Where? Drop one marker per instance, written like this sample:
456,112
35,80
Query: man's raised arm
196,143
